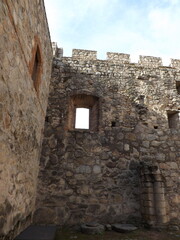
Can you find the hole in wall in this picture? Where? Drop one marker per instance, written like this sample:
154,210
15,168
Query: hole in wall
113,124
46,119
35,67
155,127
36,71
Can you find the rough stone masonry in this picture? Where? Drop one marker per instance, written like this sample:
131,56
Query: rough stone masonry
125,167
25,70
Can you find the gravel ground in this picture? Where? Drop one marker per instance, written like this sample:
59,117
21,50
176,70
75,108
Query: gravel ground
67,234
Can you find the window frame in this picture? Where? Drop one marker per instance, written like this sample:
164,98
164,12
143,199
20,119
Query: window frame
84,101
173,119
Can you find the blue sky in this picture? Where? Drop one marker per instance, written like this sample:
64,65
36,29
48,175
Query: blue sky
137,27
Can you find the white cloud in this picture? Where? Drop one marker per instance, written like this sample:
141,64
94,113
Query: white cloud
134,27
164,28
172,2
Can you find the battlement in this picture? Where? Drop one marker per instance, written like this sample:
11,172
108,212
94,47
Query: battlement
118,57
57,52
175,63
122,58
84,54
150,61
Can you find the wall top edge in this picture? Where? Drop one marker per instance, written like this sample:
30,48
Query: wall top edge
116,57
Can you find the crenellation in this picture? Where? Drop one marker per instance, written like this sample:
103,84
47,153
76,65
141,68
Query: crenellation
121,58
57,52
110,67
118,57
149,61
175,63
54,48
84,54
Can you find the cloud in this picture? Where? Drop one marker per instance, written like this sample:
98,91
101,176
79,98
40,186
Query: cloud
172,2
135,27
164,28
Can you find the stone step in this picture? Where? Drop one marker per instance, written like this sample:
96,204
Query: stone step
38,232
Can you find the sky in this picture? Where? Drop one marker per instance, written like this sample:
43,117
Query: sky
82,118
136,27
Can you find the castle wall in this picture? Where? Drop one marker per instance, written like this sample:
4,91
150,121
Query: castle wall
126,168
25,48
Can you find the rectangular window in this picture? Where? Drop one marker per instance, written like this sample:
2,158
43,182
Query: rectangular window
173,119
178,87
82,118
83,112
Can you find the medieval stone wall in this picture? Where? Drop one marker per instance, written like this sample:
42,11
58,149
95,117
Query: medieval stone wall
127,163
25,68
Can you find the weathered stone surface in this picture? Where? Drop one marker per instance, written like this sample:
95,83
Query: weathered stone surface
108,227
123,228
130,123
89,174
174,228
23,28
92,228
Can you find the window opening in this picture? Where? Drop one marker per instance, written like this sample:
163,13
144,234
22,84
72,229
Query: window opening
36,71
46,119
88,116
178,87
174,119
82,118
35,67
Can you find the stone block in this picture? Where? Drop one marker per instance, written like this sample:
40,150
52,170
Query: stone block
96,169
92,228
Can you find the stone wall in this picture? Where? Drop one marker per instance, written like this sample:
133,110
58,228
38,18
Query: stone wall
114,172
25,49
94,175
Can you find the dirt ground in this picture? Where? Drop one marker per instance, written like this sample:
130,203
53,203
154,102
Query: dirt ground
141,234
